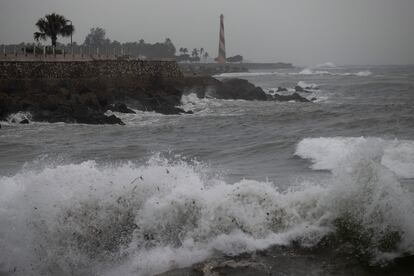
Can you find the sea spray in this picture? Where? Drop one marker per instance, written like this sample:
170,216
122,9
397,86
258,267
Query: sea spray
134,219
19,117
328,153
311,72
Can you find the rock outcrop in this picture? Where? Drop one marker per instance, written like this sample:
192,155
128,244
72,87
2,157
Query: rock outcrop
301,89
121,108
82,91
86,100
229,89
235,89
287,98
240,89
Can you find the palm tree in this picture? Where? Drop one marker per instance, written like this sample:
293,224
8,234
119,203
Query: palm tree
201,52
53,25
194,53
206,56
185,51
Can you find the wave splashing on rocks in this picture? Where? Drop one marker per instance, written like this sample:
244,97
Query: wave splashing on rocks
134,219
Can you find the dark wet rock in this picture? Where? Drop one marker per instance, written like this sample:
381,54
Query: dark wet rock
112,119
121,108
163,99
86,100
24,122
289,260
207,87
170,110
301,89
81,114
311,87
86,115
240,89
281,89
229,89
286,98
313,99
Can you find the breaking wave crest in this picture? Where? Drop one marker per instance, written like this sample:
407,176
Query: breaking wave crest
129,219
246,74
191,102
309,71
318,71
330,153
18,117
326,65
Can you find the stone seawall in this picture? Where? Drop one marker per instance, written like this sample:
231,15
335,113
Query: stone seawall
140,69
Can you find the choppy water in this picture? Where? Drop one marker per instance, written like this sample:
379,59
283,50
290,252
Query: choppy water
168,191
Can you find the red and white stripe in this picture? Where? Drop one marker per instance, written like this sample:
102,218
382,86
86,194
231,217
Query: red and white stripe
222,44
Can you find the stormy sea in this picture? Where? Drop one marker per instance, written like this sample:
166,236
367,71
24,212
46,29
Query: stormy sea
237,188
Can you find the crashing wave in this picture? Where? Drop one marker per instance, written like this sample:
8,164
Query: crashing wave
310,72
329,153
245,74
361,74
134,219
19,117
326,65
310,86
191,102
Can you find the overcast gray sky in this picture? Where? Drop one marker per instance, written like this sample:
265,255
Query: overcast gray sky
304,32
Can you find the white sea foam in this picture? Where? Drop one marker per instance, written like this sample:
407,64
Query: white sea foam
246,74
310,72
140,118
191,102
306,85
19,116
130,219
363,73
313,92
313,71
329,153
326,65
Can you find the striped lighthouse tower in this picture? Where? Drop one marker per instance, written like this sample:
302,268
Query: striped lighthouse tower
222,44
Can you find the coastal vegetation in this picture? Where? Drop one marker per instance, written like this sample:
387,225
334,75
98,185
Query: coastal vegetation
97,39
51,26
96,43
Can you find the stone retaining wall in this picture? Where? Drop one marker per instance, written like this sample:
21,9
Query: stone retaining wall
139,69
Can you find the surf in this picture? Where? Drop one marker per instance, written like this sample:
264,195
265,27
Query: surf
133,219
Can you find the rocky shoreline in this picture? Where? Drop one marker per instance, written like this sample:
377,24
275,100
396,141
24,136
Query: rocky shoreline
86,101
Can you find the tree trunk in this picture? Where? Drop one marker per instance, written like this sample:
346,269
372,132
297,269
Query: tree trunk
54,40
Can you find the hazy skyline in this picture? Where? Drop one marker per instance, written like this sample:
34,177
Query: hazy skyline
304,32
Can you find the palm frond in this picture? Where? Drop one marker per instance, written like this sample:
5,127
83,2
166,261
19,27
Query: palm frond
39,36
67,30
42,25
52,25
